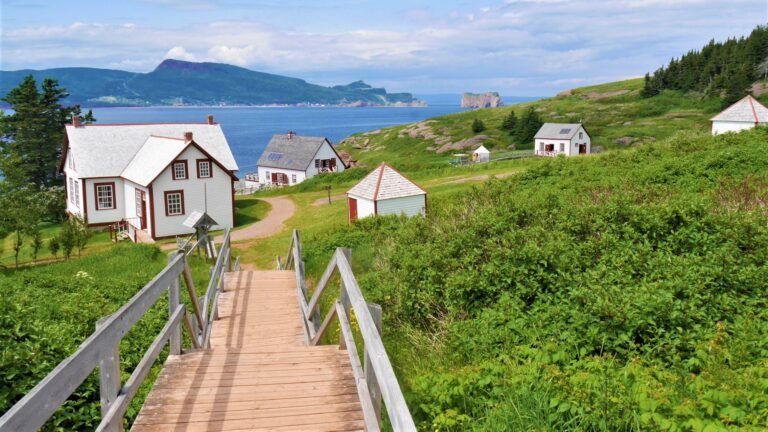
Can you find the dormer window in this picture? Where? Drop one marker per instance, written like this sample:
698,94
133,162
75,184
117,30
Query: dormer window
179,170
204,168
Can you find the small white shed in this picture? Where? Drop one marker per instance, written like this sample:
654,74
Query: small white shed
384,192
744,114
481,154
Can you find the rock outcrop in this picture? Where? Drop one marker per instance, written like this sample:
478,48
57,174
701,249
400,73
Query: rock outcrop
483,100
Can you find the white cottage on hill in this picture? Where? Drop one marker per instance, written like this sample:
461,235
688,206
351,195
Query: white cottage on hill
290,159
151,176
744,114
562,138
384,192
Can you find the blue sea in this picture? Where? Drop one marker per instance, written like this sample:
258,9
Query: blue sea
249,129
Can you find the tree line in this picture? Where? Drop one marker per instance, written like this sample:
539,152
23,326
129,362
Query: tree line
721,69
522,130
31,190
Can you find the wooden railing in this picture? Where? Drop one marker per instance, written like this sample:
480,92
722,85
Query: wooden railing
375,378
102,349
116,229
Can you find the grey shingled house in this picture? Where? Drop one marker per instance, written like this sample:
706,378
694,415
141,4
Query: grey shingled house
290,159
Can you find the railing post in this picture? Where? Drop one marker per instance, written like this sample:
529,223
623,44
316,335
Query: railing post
343,295
109,378
174,298
370,375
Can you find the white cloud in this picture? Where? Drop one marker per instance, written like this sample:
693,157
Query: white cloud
179,53
519,46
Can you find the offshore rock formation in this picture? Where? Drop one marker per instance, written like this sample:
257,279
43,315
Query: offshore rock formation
483,100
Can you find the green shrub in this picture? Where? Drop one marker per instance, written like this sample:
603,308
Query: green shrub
622,292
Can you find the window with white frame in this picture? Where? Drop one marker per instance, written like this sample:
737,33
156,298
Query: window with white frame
174,203
180,170
562,147
293,178
77,193
581,135
204,169
105,196
71,191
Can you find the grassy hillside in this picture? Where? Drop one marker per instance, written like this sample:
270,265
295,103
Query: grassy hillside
47,311
615,115
619,292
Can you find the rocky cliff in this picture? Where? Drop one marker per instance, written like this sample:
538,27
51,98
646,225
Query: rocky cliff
483,100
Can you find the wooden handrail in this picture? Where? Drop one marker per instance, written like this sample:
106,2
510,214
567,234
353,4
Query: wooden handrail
101,349
215,287
375,379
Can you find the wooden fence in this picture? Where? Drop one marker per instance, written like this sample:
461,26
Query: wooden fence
102,349
375,378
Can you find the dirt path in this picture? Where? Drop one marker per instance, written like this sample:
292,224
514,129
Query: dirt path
273,223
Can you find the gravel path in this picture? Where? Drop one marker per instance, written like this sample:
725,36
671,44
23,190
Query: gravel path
273,223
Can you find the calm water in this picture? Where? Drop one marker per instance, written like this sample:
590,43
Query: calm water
248,130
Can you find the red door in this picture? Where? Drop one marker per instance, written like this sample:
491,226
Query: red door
352,209
274,178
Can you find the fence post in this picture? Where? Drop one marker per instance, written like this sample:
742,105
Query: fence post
174,342
370,375
343,296
109,379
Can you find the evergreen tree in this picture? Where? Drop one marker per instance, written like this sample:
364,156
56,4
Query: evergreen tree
720,69
478,126
530,123
31,137
510,122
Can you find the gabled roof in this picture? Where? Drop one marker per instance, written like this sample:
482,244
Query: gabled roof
482,149
102,150
385,183
292,151
558,131
747,110
152,158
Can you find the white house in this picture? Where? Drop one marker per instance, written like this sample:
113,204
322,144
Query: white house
481,154
562,138
149,175
290,159
384,192
744,114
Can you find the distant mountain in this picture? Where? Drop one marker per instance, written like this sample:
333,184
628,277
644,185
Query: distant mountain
176,82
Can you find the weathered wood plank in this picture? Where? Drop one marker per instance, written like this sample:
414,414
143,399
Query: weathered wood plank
114,415
393,398
369,414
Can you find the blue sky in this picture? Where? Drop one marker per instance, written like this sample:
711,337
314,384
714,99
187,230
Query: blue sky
516,47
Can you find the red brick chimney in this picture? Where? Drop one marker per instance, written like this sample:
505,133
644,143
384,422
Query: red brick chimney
75,121
210,119
187,136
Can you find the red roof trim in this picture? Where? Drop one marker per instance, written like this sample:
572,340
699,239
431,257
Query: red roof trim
752,105
378,182
142,124
412,182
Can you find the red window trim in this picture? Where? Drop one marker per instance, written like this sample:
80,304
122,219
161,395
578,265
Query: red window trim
210,167
186,169
165,202
96,195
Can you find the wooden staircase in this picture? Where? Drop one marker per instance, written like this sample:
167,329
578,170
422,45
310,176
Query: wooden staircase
259,374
